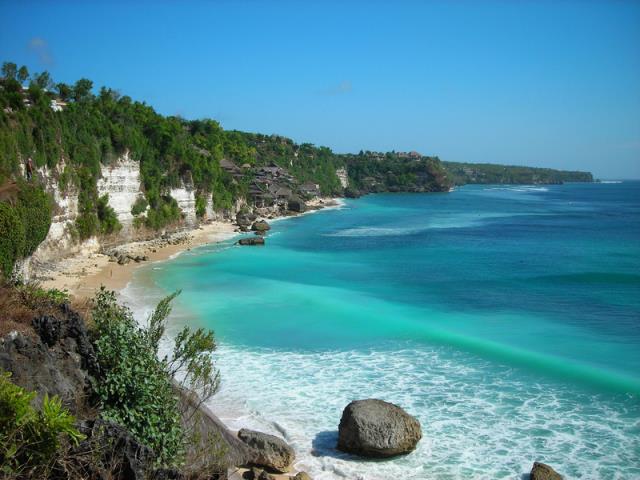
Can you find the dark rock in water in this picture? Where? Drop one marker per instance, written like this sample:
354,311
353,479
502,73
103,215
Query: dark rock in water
377,429
260,226
542,471
272,452
49,328
251,241
297,205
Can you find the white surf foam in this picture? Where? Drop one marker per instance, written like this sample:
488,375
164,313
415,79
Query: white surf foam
478,422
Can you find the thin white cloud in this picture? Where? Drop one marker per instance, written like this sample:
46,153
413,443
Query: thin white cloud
339,89
40,47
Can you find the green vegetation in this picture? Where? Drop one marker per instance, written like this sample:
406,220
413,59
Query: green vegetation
11,238
135,387
25,218
31,438
487,173
91,130
389,172
139,206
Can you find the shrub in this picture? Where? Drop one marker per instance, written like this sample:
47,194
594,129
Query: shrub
201,206
107,216
135,387
12,238
31,438
139,206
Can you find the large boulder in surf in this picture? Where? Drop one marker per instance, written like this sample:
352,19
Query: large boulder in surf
260,227
271,452
377,429
251,241
542,471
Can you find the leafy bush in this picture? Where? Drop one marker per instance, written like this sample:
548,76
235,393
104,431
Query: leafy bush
34,296
12,238
201,206
31,438
107,216
139,206
135,386
164,212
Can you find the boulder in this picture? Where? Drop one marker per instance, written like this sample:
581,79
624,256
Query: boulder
302,476
272,452
251,241
260,226
542,471
245,219
377,429
297,205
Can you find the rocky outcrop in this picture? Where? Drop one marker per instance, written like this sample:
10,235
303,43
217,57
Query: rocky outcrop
210,433
260,227
251,241
244,220
542,471
272,452
296,204
377,429
110,452
58,361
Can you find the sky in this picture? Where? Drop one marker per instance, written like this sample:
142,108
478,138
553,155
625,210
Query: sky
552,84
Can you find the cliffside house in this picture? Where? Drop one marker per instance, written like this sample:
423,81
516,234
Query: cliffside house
283,193
413,155
231,168
310,189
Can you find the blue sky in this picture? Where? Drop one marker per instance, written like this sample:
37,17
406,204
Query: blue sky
552,84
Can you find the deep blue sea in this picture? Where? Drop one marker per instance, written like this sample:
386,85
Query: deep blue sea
506,318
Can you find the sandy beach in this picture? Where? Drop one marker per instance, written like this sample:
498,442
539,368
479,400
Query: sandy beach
82,275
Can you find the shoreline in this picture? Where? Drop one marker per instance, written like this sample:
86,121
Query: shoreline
82,275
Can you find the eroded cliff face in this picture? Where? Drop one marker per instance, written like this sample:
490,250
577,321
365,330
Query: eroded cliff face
186,198
122,182
343,176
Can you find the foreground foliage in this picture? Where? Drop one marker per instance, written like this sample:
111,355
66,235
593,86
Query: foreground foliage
31,438
135,387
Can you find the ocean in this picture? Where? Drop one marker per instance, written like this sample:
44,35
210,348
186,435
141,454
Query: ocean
505,318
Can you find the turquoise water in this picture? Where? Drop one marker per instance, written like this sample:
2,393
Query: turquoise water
507,319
